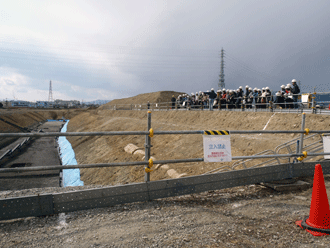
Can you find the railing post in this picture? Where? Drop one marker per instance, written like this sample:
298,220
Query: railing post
302,134
297,151
147,149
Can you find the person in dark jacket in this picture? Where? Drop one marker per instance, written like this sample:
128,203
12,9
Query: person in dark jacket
295,91
173,100
239,96
279,100
248,98
258,102
212,95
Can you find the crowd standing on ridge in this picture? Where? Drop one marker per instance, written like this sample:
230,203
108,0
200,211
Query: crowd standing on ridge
241,98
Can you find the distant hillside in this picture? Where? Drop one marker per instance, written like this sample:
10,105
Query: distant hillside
154,97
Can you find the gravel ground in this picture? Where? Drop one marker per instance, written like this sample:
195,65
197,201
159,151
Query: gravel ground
249,216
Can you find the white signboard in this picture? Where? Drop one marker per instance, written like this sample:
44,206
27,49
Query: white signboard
326,145
217,148
304,98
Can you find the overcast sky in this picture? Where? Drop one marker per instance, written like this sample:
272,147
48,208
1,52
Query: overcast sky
112,49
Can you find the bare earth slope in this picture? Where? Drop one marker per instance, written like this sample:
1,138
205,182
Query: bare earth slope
154,97
111,148
27,118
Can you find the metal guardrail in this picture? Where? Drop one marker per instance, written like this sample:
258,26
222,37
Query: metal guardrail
255,106
290,145
154,132
47,204
148,135
171,161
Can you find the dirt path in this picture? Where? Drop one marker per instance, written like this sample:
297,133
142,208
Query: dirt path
40,152
249,216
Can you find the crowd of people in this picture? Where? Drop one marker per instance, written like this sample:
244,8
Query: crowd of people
240,98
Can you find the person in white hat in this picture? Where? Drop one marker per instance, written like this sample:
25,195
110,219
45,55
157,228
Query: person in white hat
295,91
239,97
211,95
248,97
279,100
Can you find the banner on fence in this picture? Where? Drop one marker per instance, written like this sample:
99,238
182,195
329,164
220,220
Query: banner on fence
217,148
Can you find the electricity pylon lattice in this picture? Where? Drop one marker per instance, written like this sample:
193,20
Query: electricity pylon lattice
221,84
50,96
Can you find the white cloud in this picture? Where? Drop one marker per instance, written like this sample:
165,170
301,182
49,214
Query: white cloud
10,82
106,49
14,85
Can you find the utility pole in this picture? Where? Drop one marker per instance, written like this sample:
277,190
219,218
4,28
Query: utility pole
50,96
221,84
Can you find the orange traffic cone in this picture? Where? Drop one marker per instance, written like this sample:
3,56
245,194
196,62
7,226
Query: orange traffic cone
318,222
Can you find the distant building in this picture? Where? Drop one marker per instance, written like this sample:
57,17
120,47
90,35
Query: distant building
42,104
21,104
66,104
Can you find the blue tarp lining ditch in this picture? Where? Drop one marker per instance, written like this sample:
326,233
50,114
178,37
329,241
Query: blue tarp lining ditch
71,177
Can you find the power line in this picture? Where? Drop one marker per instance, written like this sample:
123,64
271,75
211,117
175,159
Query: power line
248,68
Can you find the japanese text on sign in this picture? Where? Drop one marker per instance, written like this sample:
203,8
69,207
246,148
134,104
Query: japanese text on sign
217,148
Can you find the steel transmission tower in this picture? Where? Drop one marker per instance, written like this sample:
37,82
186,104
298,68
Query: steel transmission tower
50,97
221,84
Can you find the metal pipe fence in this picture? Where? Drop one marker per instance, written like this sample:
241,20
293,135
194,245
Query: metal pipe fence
56,134
238,104
170,161
148,134
86,199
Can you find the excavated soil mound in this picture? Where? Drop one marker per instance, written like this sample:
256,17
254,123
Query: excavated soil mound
109,149
154,97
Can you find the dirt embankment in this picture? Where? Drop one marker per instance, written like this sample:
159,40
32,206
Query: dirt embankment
27,118
111,148
154,97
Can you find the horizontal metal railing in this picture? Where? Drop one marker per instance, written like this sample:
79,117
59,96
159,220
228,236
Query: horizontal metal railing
148,146
171,161
110,133
236,104
86,199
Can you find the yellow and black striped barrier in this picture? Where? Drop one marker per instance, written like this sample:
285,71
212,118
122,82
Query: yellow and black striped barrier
216,132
